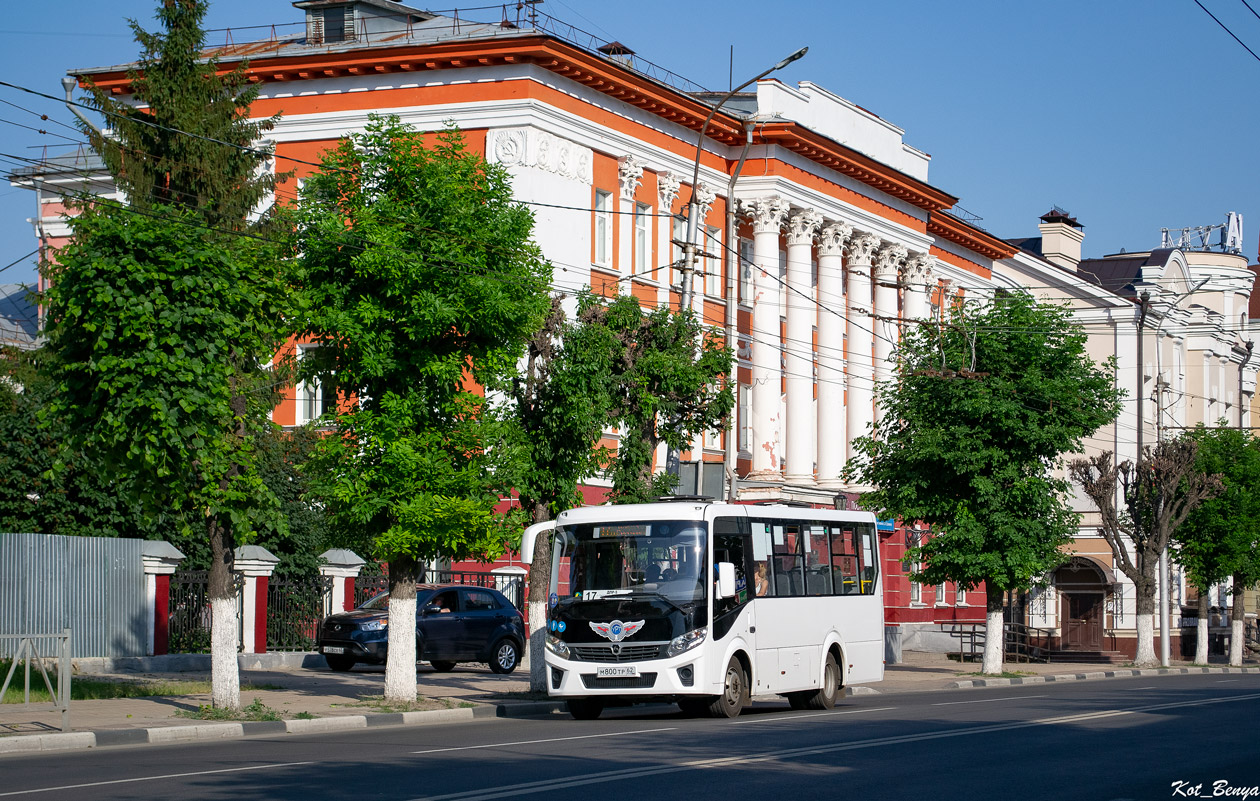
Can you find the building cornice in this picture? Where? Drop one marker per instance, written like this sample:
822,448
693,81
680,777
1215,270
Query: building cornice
952,229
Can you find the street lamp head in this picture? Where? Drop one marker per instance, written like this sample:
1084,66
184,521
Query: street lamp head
797,55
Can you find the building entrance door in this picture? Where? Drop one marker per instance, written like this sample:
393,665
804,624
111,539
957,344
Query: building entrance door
1082,621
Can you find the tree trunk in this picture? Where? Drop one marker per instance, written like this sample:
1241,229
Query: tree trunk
1145,627
400,661
1237,624
225,677
1201,628
994,631
539,589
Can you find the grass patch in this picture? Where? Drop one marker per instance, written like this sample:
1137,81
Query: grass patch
377,703
89,689
255,711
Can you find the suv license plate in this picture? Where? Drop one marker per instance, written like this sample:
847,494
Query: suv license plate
619,672
334,649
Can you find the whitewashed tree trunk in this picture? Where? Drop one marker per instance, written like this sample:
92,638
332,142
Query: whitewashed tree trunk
1146,641
1236,634
400,661
225,677
993,640
1201,629
537,638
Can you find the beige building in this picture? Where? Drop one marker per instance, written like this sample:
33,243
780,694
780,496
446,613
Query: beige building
1187,362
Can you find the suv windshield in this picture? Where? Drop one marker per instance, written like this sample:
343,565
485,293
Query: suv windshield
657,557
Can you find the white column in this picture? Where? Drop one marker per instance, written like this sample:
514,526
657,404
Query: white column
340,564
861,375
916,277
767,364
887,267
802,313
667,184
704,199
831,442
629,175
159,558
252,562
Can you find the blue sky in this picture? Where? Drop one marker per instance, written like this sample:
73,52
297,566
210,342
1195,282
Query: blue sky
1131,115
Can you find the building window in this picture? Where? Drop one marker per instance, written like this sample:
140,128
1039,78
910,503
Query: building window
746,271
913,538
713,264
940,595
960,599
745,418
679,251
603,228
641,211
315,397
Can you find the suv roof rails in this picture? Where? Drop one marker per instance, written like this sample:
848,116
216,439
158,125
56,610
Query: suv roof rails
684,498
797,504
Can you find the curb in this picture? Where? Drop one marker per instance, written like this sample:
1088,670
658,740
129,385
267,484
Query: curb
1098,674
165,735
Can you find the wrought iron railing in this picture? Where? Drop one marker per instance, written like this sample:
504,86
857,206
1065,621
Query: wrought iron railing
188,618
295,607
513,587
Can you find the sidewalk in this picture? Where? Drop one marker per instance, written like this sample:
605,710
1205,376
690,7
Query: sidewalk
336,700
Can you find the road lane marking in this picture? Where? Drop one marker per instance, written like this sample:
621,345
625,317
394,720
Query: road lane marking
559,783
1141,688
551,740
988,700
1225,681
783,718
155,778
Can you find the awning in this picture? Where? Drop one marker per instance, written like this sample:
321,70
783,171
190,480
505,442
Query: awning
1089,569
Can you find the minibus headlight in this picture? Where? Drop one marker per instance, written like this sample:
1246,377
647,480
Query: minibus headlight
685,642
557,646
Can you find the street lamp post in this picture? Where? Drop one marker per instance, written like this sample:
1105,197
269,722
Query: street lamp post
693,212
693,207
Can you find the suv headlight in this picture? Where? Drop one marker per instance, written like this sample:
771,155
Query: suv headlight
557,646
374,625
685,642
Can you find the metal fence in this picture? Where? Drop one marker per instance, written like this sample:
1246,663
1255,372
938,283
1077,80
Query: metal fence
295,607
94,585
189,614
513,587
36,649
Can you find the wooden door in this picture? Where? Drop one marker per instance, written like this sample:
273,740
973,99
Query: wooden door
1082,621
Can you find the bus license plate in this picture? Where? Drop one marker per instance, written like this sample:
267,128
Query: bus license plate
334,649
619,672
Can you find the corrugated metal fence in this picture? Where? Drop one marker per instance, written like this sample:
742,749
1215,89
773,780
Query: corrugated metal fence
93,585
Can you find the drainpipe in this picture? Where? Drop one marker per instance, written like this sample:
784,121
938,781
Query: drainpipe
68,83
1241,365
732,311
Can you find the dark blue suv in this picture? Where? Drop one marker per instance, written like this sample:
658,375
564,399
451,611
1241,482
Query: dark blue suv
453,624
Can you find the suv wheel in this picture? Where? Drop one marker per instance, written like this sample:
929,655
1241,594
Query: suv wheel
339,663
505,656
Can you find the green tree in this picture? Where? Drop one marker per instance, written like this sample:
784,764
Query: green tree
162,319
1156,495
982,408
423,284
184,137
156,331
667,384
1221,537
560,405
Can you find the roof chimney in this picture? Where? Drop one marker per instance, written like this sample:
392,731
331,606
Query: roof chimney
1061,237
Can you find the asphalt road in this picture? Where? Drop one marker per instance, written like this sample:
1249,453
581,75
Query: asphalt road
1120,739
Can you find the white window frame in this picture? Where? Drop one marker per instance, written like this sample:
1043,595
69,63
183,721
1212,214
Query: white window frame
642,237
308,395
745,271
603,228
713,264
745,418
678,252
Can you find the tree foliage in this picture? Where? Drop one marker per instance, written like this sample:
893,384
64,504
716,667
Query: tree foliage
422,283
666,384
187,139
1222,534
983,405
1158,494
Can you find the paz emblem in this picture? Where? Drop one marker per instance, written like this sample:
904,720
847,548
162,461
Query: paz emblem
616,631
